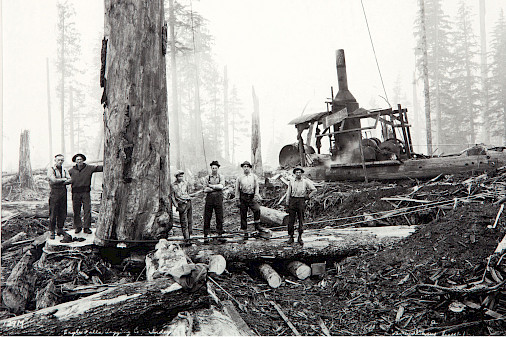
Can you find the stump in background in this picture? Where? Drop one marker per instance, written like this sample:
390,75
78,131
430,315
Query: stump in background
25,167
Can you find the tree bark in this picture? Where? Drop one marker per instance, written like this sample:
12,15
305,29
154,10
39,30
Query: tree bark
18,237
270,275
300,270
256,143
25,166
175,100
20,284
71,121
135,203
273,217
47,296
62,94
123,309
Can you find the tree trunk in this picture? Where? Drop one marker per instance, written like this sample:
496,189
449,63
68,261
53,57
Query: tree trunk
71,121
47,296
18,237
426,91
300,270
484,76
20,284
25,166
225,112
135,203
50,131
256,143
123,309
270,275
273,217
199,135
175,100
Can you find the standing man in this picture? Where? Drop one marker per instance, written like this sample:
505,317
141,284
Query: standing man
296,197
247,195
181,199
81,186
58,179
214,201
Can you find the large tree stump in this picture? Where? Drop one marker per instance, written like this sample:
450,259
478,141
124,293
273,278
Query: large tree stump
25,167
138,305
135,203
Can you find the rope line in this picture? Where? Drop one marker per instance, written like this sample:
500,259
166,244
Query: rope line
374,52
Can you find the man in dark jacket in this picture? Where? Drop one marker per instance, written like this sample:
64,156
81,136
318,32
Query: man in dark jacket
58,179
81,186
214,184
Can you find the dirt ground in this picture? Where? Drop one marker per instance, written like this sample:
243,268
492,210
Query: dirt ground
377,292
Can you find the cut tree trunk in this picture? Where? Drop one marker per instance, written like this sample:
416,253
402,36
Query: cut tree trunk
25,166
217,263
208,322
331,243
20,284
274,217
270,275
47,296
300,270
18,237
225,114
256,142
135,203
138,305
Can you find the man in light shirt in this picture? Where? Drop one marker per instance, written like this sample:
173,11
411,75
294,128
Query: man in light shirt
182,200
300,189
247,196
58,179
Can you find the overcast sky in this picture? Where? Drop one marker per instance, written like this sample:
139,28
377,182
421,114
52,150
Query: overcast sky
285,48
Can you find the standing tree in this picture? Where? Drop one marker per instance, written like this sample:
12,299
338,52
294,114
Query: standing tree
25,166
69,50
135,199
239,123
498,78
50,131
462,116
484,75
256,140
225,113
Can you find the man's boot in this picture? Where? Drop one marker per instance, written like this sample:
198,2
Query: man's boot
299,239
206,240
246,236
52,236
78,230
290,240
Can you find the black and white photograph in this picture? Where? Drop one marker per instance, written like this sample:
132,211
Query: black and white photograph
253,168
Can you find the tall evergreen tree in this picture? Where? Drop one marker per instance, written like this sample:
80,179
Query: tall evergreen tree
69,50
462,115
498,79
438,47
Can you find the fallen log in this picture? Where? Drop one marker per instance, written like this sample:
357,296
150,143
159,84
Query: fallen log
47,296
300,270
231,312
18,237
318,244
270,275
20,284
217,263
123,309
273,217
207,322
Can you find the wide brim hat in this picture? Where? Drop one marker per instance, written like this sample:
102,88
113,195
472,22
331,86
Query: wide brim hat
298,169
178,173
246,163
78,155
215,162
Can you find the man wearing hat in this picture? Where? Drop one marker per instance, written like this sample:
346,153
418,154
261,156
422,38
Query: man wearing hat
81,186
247,195
214,201
58,179
300,189
182,200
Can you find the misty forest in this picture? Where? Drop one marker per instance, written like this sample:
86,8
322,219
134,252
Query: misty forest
271,168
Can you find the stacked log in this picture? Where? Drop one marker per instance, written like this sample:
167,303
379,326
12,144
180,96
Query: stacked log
300,270
270,275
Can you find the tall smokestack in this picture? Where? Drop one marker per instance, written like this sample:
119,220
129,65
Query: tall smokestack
343,95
